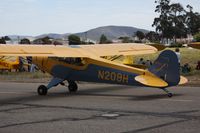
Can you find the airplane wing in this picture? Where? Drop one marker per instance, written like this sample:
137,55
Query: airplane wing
119,49
8,62
40,50
98,50
195,45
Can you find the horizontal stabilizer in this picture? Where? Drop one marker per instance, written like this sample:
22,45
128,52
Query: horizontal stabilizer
183,80
151,80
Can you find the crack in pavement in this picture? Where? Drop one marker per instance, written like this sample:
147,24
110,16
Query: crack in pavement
57,120
179,115
156,126
157,114
43,121
17,108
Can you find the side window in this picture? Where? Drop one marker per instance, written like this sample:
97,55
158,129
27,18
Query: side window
72,61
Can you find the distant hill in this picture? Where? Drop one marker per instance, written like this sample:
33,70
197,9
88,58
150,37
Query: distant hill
53,35
112,32
16,37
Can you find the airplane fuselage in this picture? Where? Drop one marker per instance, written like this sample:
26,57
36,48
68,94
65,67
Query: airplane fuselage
90,71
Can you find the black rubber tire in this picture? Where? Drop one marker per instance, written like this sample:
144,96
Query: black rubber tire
170,94
72,87
42,90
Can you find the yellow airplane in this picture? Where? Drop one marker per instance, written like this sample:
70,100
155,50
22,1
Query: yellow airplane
9,63
85,63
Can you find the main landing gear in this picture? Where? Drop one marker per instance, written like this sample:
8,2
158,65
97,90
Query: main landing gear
169,94
73,87
42,89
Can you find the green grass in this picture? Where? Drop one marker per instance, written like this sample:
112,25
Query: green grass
191,56
188,55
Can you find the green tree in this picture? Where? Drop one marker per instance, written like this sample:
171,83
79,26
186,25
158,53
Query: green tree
25,41
74,40
153,37
126,39
57,43
162,23
197,37
44,40
140,35
7,38
2,40
104,40
192,20
172,20
176,17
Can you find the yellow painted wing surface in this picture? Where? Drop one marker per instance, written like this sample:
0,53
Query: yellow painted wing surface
40,50
150,79
119,49
76,51
9,62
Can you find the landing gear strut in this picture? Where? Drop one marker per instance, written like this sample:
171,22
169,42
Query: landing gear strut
42,90
169,94
73,87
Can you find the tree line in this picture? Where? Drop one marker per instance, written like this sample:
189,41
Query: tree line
76,40
175,21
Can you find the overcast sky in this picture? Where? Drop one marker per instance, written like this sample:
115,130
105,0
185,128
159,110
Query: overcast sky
35,17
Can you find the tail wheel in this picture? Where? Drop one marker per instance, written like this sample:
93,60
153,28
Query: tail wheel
170,94
42,90
73,87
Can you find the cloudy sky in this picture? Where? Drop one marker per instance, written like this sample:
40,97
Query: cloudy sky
35,17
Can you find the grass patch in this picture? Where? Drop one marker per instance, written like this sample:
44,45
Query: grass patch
188,55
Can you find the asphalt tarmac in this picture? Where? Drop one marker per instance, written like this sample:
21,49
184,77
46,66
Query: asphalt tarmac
98,108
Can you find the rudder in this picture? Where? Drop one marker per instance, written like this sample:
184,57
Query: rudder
166,66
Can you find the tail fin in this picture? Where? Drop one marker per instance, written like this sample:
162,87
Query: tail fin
166,67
